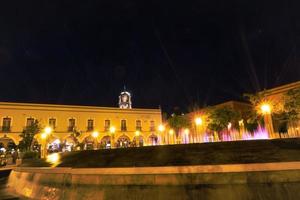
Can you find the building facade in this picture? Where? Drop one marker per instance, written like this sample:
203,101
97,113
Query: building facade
130,126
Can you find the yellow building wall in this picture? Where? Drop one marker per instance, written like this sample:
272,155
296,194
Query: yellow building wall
19,112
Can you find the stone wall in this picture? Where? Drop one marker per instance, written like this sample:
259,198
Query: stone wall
254,181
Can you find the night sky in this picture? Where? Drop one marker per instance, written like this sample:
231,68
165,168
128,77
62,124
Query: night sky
167,53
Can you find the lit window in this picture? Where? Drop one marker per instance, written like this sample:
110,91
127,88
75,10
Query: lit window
52,123
152,125
107,125
90,125
6,125
30,121
138,125
123,125
71,124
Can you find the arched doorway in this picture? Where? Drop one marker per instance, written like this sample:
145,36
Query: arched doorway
153,140
138,141
105,142
7,144
69,144
54,145
123,141
89,143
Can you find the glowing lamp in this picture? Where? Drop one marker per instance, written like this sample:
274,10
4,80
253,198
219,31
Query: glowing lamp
186,131
198,121
137,133
53,158
265,108
171,131
161,128
112,129
48,130
95,134
44,135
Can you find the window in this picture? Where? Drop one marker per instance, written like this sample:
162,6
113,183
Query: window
71,124
152,125
6,124
90,125
52,123
30,121
123,125
138,125
106,125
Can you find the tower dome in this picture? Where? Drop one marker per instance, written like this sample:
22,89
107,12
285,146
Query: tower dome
125,100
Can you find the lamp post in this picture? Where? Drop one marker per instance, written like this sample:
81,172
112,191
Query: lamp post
161,129
171,136
198,123
186,135
266,110
95,135
112,131
137,138
44,136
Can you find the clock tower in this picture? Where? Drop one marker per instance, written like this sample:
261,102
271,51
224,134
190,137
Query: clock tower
125,100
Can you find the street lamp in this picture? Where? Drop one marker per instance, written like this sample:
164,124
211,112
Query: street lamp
198,121
171,135
161,129
112,131
44,136
95,135
265,109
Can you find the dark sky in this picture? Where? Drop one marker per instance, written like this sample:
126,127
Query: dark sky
168,53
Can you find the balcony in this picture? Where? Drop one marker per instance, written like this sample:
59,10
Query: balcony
124,128
152,128
90,128
106,128
138,128
71,128
5,128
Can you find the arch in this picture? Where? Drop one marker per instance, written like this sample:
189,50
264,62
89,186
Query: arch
105,142
8,143
153,140
69,143
89,143
138,141
123,141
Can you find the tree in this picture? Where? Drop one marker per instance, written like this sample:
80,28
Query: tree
292,105
75,134
178,122
220,117
28,136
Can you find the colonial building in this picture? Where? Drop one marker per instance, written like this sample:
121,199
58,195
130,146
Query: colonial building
98,126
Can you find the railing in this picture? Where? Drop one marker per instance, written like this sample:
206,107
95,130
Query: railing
71,128
106,128
124,128
90,128
152,128
138,128
5,128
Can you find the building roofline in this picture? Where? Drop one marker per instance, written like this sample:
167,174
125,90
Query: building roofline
36,105
282,88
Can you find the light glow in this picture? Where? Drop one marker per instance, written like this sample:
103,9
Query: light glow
44,135
265,108
161,128
48,130
198,121
137,133
112,129
95,134
54,158
171,131
186,131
